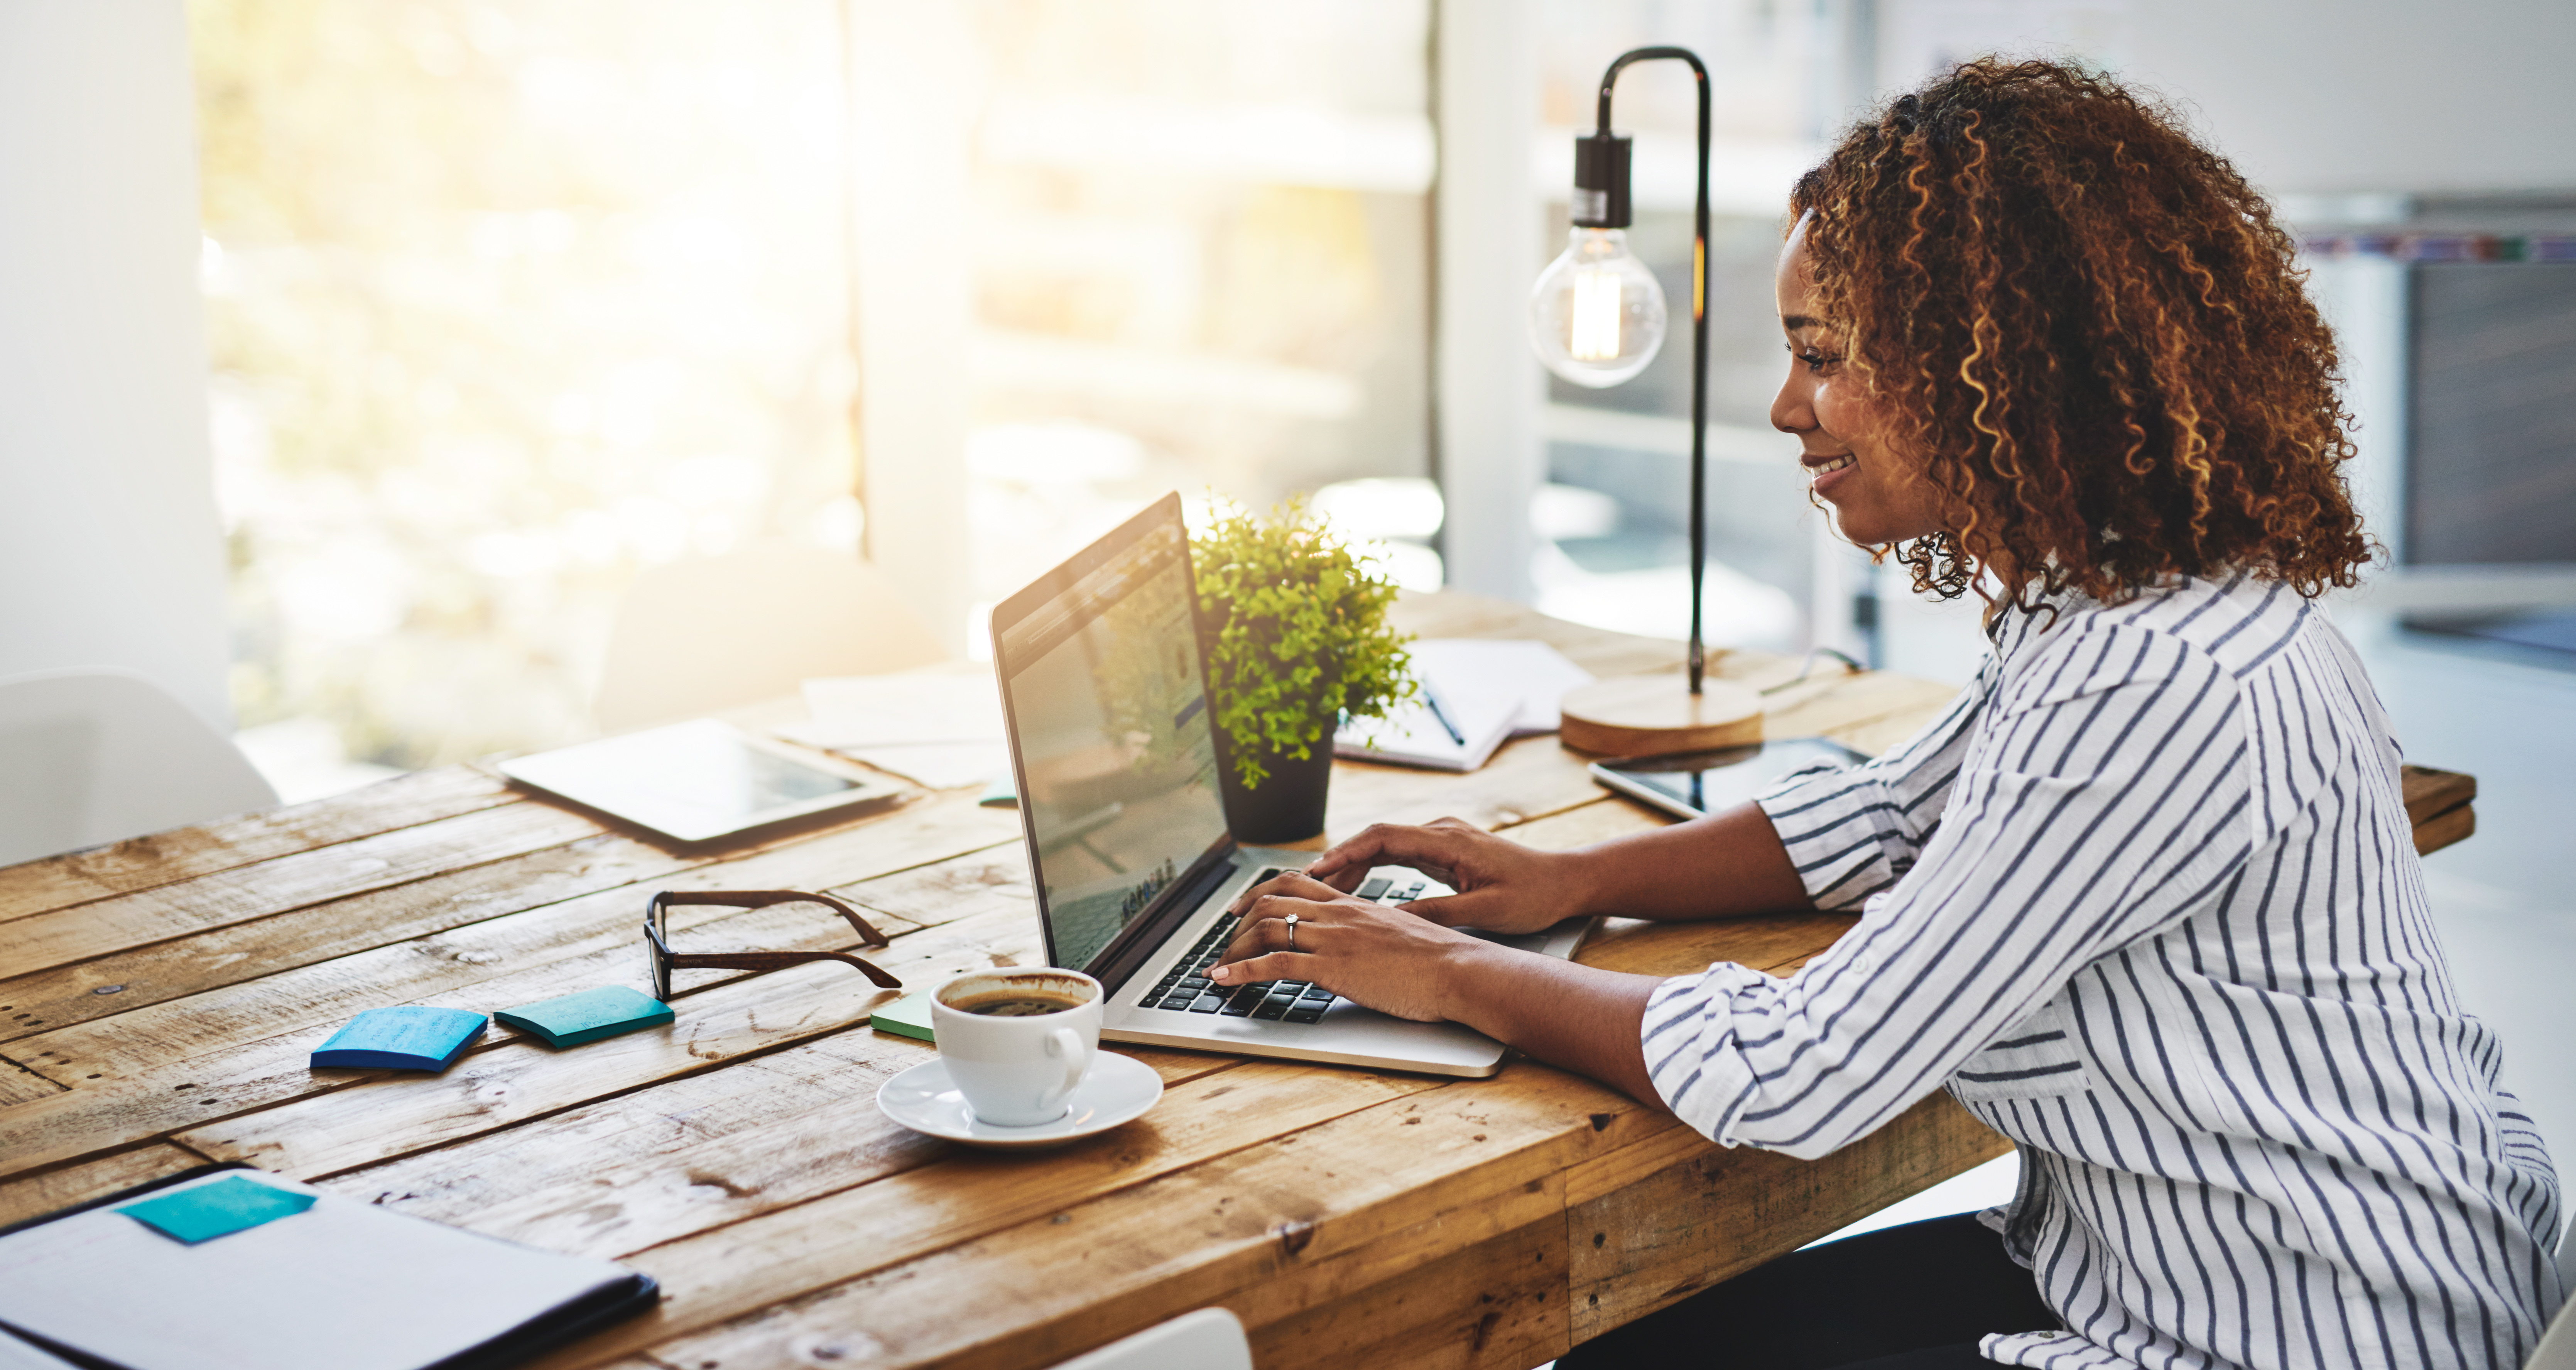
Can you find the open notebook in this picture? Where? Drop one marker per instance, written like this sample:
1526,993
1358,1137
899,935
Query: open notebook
163,1277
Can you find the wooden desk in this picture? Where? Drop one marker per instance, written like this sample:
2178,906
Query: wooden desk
158,999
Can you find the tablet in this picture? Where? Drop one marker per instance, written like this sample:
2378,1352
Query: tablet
1694,784
697,781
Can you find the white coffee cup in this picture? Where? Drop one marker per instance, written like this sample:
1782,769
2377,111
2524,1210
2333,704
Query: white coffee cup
1018,1067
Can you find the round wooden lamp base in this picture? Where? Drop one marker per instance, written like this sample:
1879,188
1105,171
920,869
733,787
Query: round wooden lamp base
1657,715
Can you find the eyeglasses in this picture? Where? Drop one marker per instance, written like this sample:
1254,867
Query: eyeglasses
657,945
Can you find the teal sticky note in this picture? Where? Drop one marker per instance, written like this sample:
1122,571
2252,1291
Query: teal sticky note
588,1016
908,1016
218,1208
1002,793
406,1038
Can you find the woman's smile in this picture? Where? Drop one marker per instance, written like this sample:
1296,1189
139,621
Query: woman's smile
1821,471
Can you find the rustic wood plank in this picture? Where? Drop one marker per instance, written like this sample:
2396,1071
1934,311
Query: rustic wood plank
213,1056
1714,1213
19,1085
654,1166
1496,1305
1466,1152
391,1114
1525,779
163,858
972,1197
2431,793
33,1196
229,955
106,926
1777,943
2445,828
493,955
945,891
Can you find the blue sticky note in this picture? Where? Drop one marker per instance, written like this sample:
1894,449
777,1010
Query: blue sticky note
218,1208
587,1016
407,1038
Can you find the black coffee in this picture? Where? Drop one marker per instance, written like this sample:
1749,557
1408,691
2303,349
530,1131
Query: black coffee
1018,1008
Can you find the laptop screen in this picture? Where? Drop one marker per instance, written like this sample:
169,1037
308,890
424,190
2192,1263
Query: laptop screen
1108,715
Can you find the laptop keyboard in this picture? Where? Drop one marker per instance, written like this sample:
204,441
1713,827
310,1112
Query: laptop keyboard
1186,989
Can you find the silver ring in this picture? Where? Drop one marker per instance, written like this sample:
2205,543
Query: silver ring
1291,921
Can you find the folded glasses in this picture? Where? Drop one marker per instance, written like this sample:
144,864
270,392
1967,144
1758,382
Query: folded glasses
657,943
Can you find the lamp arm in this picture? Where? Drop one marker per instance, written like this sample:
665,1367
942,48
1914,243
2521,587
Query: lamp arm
1699,334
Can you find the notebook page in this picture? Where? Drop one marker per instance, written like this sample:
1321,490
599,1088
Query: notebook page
341,1286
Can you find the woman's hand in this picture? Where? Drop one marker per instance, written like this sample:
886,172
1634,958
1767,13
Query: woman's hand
1379,957
1579,1017
1501,885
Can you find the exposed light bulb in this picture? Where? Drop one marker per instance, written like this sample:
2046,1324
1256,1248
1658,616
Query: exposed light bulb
1596,315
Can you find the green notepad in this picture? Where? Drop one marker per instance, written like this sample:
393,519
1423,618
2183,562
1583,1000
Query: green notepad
908,1016
587,1016
204,1212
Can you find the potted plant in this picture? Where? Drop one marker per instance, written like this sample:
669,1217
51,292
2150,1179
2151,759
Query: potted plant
1295,638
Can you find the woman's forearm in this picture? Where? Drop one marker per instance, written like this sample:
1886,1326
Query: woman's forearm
1720,866
1580,1017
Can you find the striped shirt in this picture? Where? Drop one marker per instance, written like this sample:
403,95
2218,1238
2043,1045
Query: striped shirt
2145,899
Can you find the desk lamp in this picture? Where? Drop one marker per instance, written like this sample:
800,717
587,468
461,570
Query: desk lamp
1596,317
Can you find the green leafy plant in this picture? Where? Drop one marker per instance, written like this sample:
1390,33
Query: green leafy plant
1297,637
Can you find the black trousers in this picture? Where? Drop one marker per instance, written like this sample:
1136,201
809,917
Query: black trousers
1915,1297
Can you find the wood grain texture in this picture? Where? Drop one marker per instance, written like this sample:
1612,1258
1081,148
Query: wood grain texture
1708,1213
1465,1158
217,957
691,1154
107,926
142,863
971,1199
1349,1217
382,1114
2445,828
223,1053
2430,793
19,1085
33,1196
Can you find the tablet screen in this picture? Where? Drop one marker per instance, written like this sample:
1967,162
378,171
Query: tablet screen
1711,782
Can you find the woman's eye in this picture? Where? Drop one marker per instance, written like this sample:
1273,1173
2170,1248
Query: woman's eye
1816,361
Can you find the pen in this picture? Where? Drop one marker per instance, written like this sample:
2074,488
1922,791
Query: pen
1431,698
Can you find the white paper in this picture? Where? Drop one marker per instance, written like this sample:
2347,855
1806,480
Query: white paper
940,726
1537,674
956,703
342,1285
1411,734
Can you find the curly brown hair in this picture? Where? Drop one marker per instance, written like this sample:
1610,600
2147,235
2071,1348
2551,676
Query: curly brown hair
2092,332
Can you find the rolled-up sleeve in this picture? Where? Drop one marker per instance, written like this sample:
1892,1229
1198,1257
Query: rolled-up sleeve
1853,830
2101,796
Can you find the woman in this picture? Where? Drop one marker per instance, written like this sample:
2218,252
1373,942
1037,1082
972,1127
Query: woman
2144,899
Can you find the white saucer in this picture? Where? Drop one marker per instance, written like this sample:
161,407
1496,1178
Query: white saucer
924,1099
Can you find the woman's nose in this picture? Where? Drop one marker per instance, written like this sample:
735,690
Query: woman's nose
1792,411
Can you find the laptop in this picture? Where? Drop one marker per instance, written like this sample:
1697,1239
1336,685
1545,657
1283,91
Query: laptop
1105,702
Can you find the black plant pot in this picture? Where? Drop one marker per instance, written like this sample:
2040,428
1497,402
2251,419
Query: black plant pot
1288,805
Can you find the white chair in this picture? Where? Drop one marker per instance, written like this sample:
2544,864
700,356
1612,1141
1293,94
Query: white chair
715,633
1209,1339
2557,1349
96,755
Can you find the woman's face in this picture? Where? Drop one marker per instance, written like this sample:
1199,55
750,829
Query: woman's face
1827,404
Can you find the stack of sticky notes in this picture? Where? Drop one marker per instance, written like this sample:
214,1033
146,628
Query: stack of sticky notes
406,1038
413,1037
587,1016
